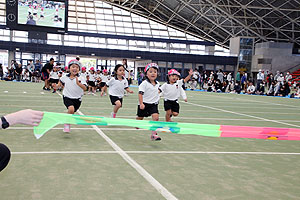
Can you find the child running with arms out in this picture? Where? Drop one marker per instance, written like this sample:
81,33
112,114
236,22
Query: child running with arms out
117,85
74,86
171,91
149,97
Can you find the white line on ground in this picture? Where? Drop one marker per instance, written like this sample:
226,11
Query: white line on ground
159,187
242,114
287,105
155,152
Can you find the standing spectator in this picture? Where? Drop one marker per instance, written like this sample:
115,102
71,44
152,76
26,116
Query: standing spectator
229,77
196,76
260,78
127,72
37,65
18,72
276,75
288,77
280,78
1,71
238,76
220,76
244,80
48,67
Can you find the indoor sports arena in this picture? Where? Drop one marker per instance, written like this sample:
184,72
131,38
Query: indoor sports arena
149,99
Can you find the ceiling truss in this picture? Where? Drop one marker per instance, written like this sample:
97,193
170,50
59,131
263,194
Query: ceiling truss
219,20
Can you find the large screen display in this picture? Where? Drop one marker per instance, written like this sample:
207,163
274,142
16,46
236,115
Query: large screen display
42,13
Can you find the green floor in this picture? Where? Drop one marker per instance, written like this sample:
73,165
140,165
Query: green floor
82,165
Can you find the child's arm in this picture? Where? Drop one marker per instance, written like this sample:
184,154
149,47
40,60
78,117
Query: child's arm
81,85
189,76
142,106
128,90
183,94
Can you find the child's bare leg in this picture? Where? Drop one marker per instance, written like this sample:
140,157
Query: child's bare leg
154,136
168,115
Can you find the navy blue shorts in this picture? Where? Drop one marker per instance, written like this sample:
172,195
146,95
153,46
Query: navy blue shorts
148,110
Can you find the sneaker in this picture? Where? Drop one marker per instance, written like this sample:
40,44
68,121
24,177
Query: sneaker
44,88
113,115
54,91
104,94
48,89
89,93
67,128
154,136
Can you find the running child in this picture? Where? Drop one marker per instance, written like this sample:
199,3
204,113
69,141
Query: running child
91,78
149,97
104,79
54,78
117,85
172,91
73,90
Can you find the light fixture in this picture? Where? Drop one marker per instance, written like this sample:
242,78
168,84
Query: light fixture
56,52
17,49
92,54
138,57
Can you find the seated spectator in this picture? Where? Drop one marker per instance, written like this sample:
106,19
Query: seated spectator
251,88
224,86
193,84
284,90
297,93
210,87
218,86
237,88
271,90
277,88
205,86
261,89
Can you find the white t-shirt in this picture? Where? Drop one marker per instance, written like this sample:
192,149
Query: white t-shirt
92,77
260,76
172,91
104,78
54,75
127,72
150,92
251,88
117,87
71,89
83,76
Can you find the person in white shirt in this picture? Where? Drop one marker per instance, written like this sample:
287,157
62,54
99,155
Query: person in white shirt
171,91
288,77
54,78
260,78
251,88
104,79
117,85
280,78
127,72
74,86
91,78
149,97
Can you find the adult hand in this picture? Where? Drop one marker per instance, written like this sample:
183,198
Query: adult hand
27,117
